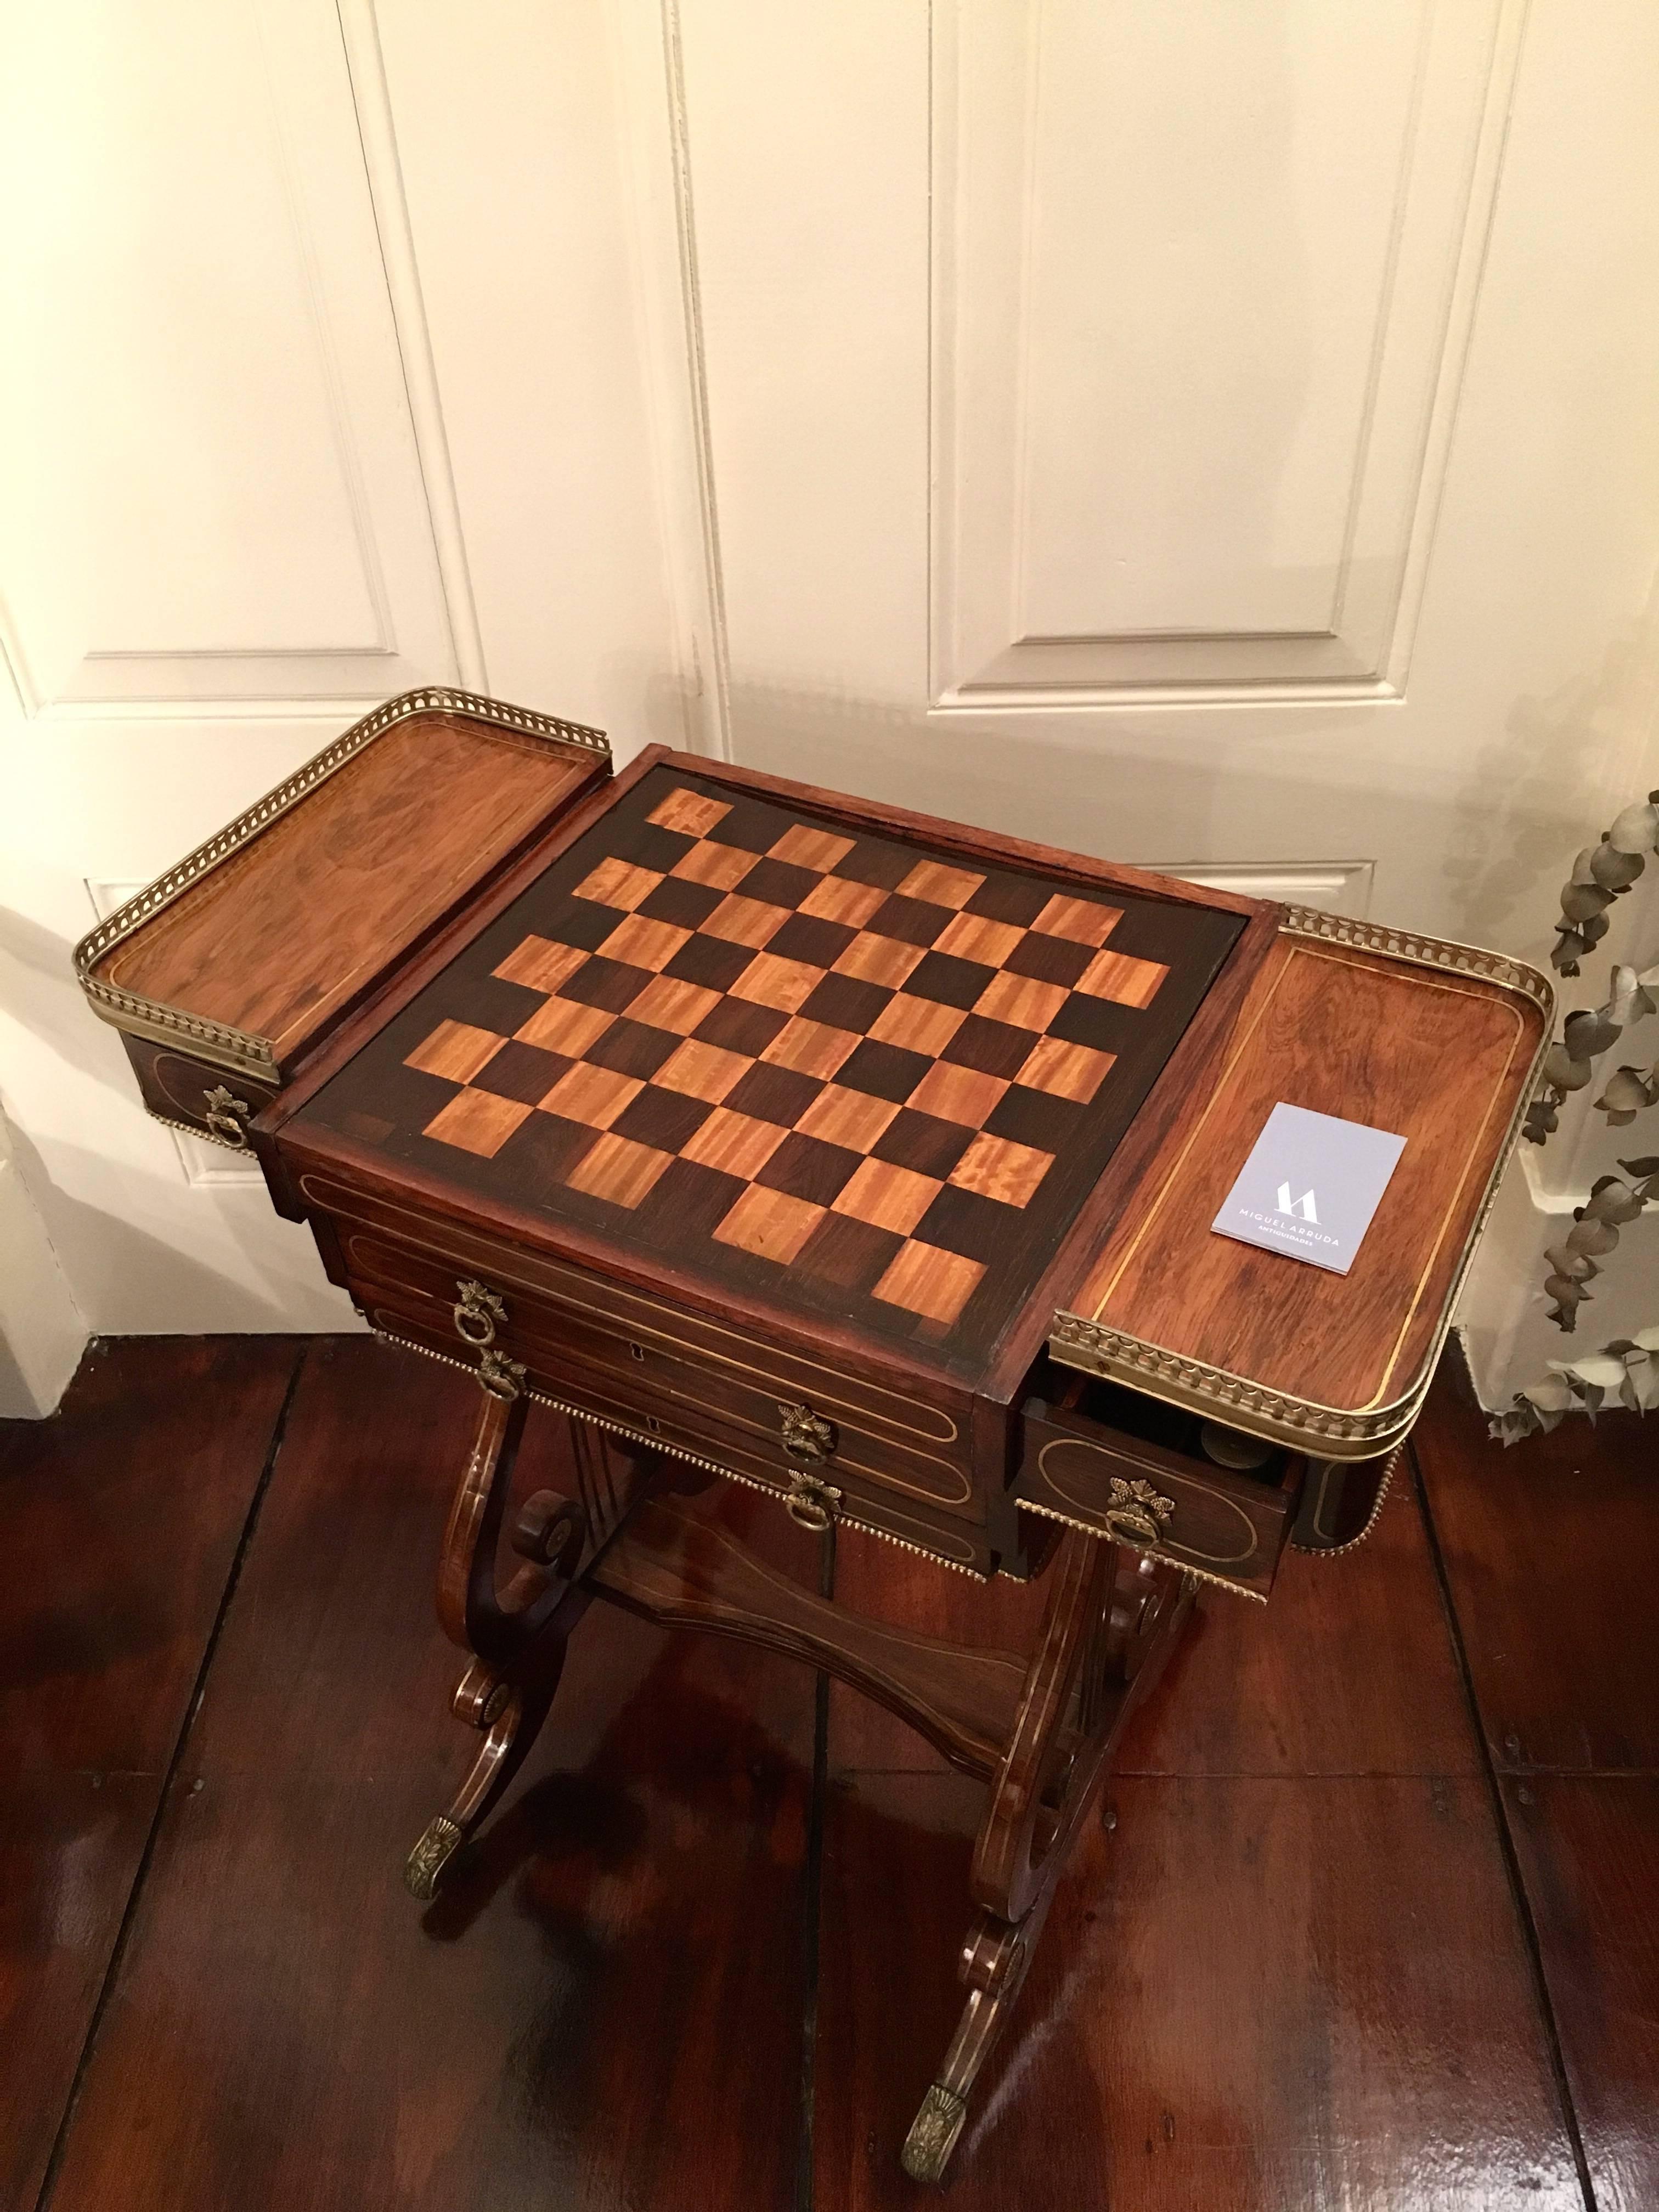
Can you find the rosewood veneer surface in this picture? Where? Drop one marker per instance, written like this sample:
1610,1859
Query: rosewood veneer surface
1295,1969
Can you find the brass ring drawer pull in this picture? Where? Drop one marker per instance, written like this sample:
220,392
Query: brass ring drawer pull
807,1437
1135,1512
220,1111
810,1503
476,1312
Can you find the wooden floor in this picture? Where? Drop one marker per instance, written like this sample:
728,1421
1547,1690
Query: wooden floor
1369,1921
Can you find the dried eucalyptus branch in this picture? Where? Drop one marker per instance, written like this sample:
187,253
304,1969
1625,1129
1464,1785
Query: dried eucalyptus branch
1600,876
1573,1263
1627,1371
1585,1035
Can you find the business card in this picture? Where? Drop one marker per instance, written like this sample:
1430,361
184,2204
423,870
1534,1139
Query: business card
1310,1187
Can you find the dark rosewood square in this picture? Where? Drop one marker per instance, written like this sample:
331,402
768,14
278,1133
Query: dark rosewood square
650,846
954,983
885,1071
583,923
684,904
805,937
848,1253
609,984
629,1048
922,1142
662,1118
808,1169
1049,959
780,882
536,1158
711,962
751,824
994,1048
843,1002
521,1071
687,1200
1010,898
1035,1117
961,1221
1101,1023
739,1025
913,921
773,1094
882,865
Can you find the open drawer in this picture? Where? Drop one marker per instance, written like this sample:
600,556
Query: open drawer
1205,1497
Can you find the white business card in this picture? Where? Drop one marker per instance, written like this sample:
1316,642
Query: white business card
1310,1187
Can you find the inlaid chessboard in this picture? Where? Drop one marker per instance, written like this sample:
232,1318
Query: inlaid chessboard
832,1067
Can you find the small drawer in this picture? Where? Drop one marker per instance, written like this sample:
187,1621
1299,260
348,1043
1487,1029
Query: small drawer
549,1334
626,1401
1149,1476
177,1087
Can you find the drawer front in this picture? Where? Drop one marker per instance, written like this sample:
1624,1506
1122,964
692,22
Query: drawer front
750,1451
917,1450
1227,1526
178,1087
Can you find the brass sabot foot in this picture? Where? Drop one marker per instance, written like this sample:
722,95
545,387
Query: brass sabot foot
438,1844
933,2134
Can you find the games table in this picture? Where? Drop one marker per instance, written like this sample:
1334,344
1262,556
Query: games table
863,1158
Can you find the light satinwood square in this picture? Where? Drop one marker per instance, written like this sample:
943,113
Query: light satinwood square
783,985
1066,1070
886,1197
924,1280
973,937
618,1168
1115,976
618,883
769,1222
879,959
703,1071
997,1168
736,1144
641,943
918,1025
811,1048
563,1026
1020,1000
940,885
454,1049
593,1095
836,899
689,812
718,867
807,848
665,1003
476,1122
851,1119
958,1094
1080,920
744,921
540,964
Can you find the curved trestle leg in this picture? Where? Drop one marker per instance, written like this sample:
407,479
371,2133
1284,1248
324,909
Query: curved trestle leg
1112,1619
516,1637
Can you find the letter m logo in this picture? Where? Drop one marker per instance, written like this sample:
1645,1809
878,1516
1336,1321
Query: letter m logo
1302,1206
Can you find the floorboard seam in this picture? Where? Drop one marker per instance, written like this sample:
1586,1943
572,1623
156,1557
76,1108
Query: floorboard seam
118,1951
813,1883
1506,1842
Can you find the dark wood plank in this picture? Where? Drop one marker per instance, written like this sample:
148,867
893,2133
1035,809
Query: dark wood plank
1551,1553
119,1522
280,937
1588,1849
605,2005
1262,1993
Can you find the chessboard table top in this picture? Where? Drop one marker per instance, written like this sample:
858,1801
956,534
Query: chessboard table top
807,1054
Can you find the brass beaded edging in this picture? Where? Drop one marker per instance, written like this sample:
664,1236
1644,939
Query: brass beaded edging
1335,1551
695,1459
239,1049
1278,1416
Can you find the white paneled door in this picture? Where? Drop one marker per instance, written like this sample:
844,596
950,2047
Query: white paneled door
1215,433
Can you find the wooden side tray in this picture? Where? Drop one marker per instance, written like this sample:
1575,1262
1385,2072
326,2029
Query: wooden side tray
1436,1042
228,972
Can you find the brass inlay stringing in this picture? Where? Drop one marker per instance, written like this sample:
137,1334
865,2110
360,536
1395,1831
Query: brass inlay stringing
219,1112
477,1310
219,1041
